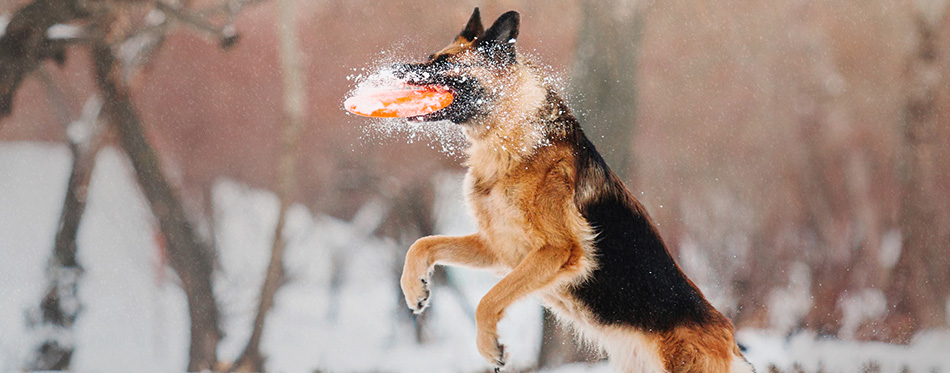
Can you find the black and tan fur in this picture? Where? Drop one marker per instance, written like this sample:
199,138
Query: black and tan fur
556,221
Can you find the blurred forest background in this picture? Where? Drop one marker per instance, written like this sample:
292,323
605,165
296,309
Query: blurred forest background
790,152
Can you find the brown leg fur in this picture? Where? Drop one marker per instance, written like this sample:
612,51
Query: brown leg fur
426,252
540,268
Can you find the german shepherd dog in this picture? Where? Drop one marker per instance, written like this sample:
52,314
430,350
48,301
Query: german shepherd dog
555,220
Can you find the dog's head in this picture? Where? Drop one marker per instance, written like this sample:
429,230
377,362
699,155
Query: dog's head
476,66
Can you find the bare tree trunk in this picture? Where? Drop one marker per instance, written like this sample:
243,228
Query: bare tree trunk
61,306
755,281
604,85
294,112
917,286
410,218
23,47
827,216
191,259
251,359
605,79
828,251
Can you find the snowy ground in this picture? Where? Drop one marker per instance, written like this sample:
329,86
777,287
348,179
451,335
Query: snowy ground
134,315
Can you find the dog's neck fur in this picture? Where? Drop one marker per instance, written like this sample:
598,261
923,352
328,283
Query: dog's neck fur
514,132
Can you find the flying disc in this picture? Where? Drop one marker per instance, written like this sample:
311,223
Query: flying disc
402,103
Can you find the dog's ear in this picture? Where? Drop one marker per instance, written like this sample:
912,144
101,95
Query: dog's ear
499,40
473,28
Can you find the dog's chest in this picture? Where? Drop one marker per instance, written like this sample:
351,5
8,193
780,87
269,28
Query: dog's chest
500,208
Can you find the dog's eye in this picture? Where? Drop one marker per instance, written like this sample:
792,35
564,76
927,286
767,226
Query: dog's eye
431,57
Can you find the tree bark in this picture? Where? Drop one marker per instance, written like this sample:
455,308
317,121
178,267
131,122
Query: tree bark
827,215
61,305
189,257
828,254
755,280
604,87
604,80
917,286
410,218
251,358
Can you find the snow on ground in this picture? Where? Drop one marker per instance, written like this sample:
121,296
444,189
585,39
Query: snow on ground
929,352
29,175
134,316
128,316
341,310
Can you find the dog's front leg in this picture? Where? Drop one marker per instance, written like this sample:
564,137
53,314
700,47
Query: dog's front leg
426,252
540,268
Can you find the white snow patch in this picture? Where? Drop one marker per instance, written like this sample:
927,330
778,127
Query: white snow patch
32,178
155,17
927,352
82,130
789,305
63,31
4,21
858,307
582,368
891,244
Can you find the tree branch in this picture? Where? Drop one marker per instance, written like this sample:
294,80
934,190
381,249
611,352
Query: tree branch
225,34
60,306
188,256
294,111
25,45
917,284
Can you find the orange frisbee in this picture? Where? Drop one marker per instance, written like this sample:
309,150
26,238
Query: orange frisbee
399,104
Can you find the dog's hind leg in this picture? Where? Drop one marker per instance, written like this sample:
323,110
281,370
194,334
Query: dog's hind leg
426,252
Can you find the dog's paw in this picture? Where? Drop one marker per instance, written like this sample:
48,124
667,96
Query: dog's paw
491,350
416,290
